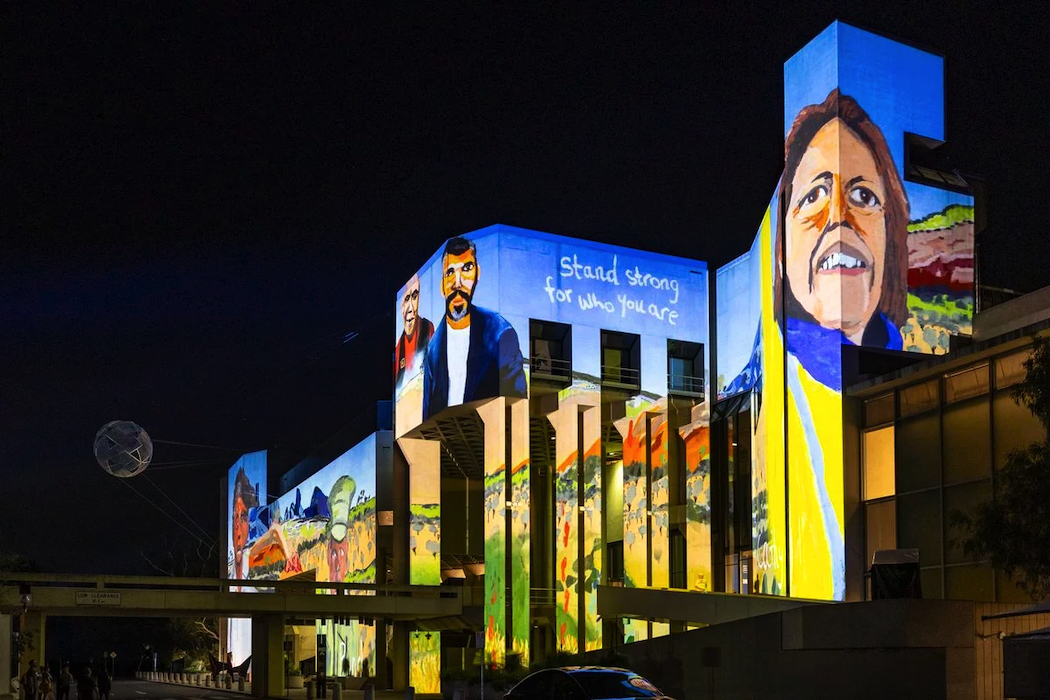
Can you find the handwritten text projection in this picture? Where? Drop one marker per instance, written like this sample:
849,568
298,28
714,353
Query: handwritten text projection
632,294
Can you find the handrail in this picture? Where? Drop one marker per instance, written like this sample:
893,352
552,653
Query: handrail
685,382
621,375
541,596
108,581
551,366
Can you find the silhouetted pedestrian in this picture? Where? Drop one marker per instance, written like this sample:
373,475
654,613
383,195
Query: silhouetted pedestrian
65,682
30,681
47,684
88,687
105,683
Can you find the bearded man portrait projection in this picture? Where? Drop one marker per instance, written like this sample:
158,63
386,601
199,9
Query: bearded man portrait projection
474,353
843,256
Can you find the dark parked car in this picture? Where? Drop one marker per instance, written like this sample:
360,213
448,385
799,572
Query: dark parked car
584,683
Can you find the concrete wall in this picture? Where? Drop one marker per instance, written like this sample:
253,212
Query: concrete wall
894,648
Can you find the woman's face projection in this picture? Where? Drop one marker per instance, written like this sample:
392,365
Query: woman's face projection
835,231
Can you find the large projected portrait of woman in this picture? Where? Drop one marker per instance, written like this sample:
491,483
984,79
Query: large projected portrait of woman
844,221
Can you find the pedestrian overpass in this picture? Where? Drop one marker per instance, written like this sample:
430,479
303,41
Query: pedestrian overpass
270,605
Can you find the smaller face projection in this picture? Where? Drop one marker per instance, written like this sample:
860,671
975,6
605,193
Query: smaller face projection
240,524
457,284
410,306
337,555
835,243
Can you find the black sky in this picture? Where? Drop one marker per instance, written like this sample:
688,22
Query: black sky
200,205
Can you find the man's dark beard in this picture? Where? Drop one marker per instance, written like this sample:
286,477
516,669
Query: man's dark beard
449,308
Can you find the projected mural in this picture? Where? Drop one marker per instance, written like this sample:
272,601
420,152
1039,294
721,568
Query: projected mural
473,353
424,658
483,291
326,524
849,253
246,509
247,519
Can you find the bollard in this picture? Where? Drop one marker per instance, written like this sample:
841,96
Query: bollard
240,683
337,690
370,691
196,679
229,681
410,693
309,689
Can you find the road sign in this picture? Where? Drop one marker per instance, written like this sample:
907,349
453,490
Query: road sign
112,654
98,598
479,640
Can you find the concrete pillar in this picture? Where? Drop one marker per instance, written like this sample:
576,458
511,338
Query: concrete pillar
400,654
5,656
267,655
380,672
34,623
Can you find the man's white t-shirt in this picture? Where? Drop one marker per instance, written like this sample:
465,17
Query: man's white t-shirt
456,347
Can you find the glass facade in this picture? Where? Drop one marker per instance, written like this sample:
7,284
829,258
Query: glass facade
943,460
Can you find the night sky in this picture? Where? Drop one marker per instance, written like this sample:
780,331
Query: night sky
200,206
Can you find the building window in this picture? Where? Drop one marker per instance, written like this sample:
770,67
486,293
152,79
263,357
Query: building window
1013,426
621,359
550,350
972,381
614,563
919,397
677,559
878,411
880,522
685,367
878,463
917,447
970,582
967,448
919,524
1009,369
963,498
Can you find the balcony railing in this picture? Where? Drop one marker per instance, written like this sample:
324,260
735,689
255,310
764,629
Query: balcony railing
621,376
685,384
550,368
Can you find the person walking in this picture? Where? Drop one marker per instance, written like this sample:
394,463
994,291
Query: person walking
47,684
88,688
31,681
65,682
105,683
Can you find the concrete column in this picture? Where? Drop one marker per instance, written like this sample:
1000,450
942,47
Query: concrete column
400,654
267,655
34,623
5,656
381,676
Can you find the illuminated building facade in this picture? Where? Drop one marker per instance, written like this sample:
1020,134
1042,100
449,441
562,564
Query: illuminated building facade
569,415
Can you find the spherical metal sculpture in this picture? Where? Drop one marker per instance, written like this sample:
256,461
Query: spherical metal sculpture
123,448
